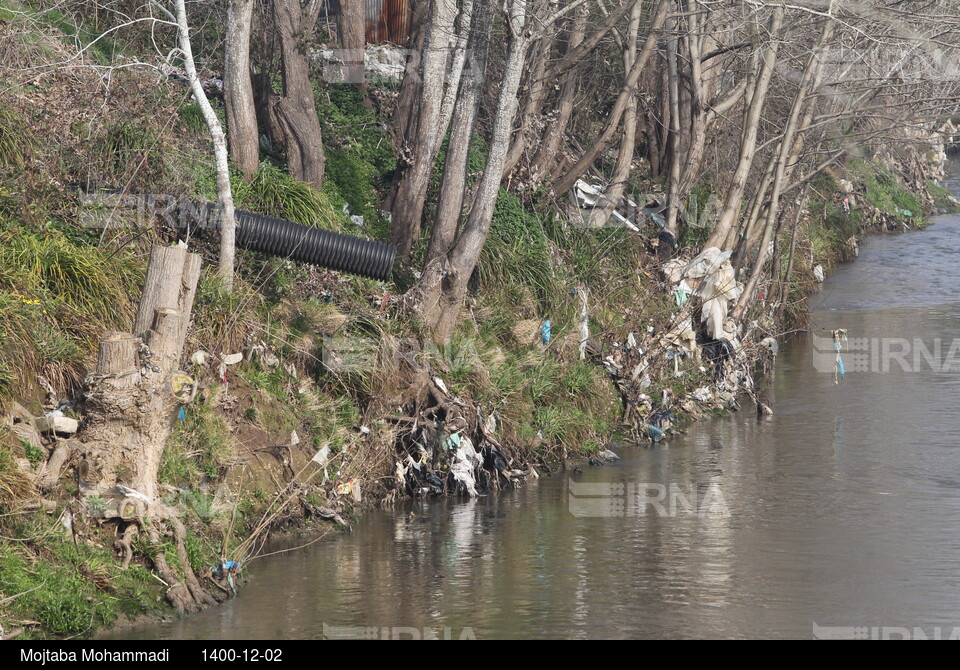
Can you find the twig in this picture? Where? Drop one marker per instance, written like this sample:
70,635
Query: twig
11,598
159,580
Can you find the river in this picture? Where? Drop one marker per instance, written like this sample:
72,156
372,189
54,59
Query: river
839,516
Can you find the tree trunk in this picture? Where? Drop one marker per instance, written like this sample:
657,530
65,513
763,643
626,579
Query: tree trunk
353,42
653,130
238,89
404,119
454,183
702,116
131,407
457,64
673,91
129,410
786,147
784,293
564,183
576,55
546,158
117,350
423,145
613,195
296,109
228,224
754,211
749,238
444,284
536,93
720,237
407,110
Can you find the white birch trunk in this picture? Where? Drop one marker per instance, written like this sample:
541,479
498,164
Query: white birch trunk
224,193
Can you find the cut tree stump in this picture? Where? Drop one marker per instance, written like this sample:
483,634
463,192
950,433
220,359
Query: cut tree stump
130,410
118,353
130,406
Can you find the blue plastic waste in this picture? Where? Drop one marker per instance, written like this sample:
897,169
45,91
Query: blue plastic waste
840,370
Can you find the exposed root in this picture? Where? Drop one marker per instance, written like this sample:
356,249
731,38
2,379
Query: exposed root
123,543
186,593
200,595
177,594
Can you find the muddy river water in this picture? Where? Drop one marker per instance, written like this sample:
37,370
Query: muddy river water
839,516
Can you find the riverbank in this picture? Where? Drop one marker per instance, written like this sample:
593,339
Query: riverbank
235,449
840,512
572,341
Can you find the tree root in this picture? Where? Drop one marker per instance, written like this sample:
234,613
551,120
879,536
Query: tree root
47,479
123,543
177,594
226,592
186,594
200,594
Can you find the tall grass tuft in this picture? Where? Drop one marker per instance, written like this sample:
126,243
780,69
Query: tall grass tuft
275,193
83,279
132,151
517,247
56,299
222,320
15,485
15,138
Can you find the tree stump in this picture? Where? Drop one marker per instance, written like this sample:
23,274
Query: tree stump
130,411
130,406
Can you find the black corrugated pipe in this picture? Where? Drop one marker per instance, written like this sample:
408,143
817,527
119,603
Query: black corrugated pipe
323,248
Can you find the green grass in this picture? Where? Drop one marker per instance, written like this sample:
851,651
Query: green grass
200,447
192,117
33,454
275,193
273,381
75,277
884,191
56,299
518,247
70,589
16,140
360,156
